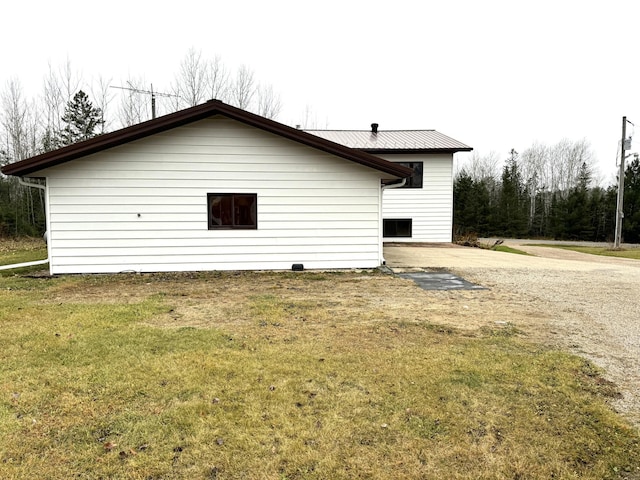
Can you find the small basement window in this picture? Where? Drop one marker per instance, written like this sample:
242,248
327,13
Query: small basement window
232,210
415,180
396,227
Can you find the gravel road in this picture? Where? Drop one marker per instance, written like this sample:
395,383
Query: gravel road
584,303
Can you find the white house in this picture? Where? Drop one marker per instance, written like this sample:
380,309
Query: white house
422,209
212,187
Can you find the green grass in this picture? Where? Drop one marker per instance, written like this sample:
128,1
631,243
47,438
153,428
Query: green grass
504,248
20,251
633,253
261,376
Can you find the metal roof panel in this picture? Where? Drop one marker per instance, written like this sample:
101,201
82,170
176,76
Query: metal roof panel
393,140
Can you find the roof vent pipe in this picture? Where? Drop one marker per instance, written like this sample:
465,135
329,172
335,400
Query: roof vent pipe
374,128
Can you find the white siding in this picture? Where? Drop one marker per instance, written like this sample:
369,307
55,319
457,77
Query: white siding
430,207
143,206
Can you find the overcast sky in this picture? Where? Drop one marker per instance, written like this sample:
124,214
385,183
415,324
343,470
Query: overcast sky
493,74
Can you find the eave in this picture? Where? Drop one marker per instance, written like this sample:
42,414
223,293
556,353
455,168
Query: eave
183,117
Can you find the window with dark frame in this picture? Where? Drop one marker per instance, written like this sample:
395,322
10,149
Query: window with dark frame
397,227
232,211
415,180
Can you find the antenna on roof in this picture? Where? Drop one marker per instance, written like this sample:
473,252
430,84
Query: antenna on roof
148,92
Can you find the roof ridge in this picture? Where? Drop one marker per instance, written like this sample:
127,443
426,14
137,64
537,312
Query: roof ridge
190,115
369,131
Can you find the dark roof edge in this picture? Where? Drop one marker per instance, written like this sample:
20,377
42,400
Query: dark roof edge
190,115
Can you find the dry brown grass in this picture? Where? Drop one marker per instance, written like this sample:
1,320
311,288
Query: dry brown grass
10,246
317,299
18,250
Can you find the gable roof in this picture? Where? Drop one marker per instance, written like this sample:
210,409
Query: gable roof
394,141
194,114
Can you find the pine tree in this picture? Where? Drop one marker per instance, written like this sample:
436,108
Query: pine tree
512,205
81,119
631,222
463,215
578,221
558,216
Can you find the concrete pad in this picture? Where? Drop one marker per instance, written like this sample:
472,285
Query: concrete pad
440,281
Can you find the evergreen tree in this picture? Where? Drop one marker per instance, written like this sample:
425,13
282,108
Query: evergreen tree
512,206
578,221
471,200
631,221
463,217
557,216
81,120
50,140
482,198
602,206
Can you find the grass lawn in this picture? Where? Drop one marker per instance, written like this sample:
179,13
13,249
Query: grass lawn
608,252
505,248
23,250
286,376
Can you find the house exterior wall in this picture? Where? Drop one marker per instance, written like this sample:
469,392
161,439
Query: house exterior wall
143,206
431,207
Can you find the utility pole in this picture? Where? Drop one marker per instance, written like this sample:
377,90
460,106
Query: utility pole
148,92
619,207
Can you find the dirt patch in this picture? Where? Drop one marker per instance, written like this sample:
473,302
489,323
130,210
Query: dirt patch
235,299
315,300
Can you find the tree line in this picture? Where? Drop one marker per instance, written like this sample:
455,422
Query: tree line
545,192
69,110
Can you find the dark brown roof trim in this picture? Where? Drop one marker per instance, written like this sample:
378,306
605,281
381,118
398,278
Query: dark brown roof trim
190,115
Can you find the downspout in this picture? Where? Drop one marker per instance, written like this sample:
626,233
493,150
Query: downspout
34,185
401,183
25,264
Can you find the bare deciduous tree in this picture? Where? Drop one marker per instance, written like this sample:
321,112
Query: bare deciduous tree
134,106
269,103
200,80
191,82
310,120
53,104
59,88
19,122
70,81
217,80
102,95
533,162
485,167
557,167
553,170
243,88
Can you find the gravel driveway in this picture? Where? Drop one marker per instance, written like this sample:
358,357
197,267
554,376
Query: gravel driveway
587,304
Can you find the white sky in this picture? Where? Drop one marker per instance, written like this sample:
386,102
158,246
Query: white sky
491,73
